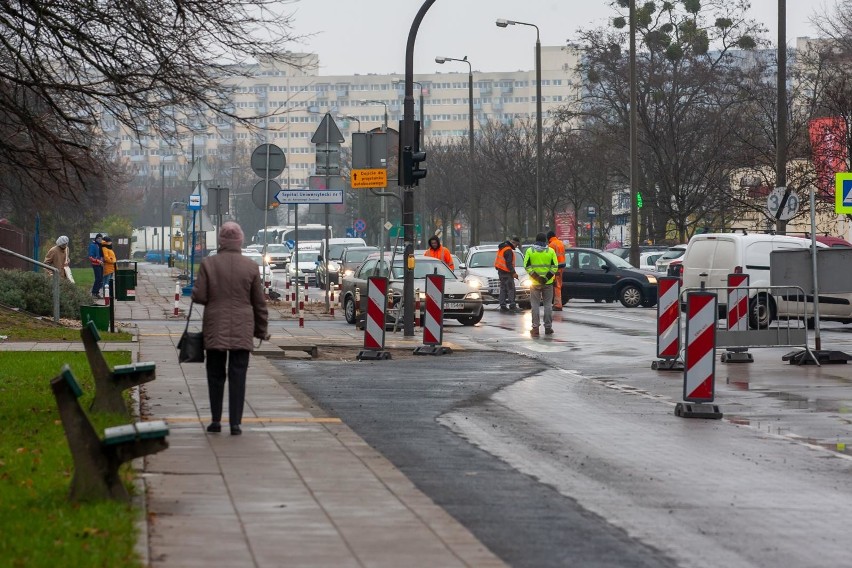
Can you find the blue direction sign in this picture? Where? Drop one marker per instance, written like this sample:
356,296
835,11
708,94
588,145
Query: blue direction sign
843,192
329,196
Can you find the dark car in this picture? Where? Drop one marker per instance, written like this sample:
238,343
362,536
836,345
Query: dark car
603,276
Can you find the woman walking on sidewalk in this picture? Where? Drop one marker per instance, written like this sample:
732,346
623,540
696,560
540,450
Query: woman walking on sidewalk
228,284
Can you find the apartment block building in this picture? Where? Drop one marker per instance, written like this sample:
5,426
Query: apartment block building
297,97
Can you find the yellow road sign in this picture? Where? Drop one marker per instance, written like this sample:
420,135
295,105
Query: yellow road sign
373,177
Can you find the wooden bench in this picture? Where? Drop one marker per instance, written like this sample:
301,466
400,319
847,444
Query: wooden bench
110,383
96,461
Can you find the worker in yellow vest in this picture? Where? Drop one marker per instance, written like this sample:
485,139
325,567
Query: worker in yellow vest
541,265
559,249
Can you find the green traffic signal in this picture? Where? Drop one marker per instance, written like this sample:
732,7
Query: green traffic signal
638,200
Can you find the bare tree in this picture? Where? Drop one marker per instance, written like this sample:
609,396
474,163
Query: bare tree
155,67
686,100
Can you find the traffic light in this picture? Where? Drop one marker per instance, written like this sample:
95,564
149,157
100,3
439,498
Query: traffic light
638,200
411,170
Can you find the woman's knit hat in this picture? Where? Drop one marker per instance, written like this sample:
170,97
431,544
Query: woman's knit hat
230,234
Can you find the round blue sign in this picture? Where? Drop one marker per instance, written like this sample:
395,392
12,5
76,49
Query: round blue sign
360,225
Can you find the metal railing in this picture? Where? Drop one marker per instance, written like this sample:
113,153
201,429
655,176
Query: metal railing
56,278
787,329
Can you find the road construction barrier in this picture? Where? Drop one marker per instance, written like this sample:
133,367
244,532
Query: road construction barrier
788,328
433,318
668,325
737,317
699,374
374,324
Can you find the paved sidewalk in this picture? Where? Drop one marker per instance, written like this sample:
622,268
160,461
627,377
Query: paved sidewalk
296,489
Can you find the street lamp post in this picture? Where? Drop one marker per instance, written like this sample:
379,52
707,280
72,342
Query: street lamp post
384,104
474,196
538,145
350,117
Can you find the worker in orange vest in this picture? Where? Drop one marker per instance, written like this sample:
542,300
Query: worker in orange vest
435,250
559,249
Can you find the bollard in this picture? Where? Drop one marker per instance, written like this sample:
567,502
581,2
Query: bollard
699,375
433,318
177,300
417,308
106,295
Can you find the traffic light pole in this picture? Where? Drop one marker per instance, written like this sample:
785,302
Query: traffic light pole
407,135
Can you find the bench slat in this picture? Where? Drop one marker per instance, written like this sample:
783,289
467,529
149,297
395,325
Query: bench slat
119,434
134,368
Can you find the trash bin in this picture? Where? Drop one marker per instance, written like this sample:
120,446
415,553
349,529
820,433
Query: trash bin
99,315
171,261
125,280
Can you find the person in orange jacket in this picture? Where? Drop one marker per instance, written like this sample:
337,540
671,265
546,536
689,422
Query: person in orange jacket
559,249
435,250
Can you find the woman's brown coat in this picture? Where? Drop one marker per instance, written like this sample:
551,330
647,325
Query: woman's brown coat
229,287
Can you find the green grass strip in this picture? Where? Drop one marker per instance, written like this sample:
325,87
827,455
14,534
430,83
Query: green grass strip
38,525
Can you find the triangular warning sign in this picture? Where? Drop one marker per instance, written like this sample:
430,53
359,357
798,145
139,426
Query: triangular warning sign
328,132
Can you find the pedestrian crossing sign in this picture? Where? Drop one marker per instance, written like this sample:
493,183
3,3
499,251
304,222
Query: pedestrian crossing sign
843,192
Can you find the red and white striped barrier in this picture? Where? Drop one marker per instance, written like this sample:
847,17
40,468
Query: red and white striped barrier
699,375
417,308
374,324
668,325
737,302
737,317
433,318
177,300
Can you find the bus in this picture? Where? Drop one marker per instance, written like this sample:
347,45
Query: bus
314,232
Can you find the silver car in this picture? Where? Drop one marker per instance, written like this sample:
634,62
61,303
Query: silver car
480,274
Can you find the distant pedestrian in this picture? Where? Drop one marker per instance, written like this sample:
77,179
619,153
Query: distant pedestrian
109,262
96,258
436,250
541,265
559,248
229,285
506,272
57,256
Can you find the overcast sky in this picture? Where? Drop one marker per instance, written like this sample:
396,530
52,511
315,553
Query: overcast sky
369,36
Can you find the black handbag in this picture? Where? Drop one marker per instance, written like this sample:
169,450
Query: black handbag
191,344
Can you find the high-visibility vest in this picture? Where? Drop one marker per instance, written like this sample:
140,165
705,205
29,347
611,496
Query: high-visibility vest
442,254
500,261
559,249
542,263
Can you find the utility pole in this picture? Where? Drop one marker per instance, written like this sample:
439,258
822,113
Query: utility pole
407,135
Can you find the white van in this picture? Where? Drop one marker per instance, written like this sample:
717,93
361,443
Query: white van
710,257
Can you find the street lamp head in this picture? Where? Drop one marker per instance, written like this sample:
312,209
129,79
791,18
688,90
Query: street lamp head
501,23
440,59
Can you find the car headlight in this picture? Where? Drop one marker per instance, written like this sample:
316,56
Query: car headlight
652,279
348,272
526,282
473,296
268,259
333,267
475,283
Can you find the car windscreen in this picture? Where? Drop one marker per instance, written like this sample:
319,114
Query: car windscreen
277,249
358,255
616,260
486,259
336,251
255,257
424,267
672,253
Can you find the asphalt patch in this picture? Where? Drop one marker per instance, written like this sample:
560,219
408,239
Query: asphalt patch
393,405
